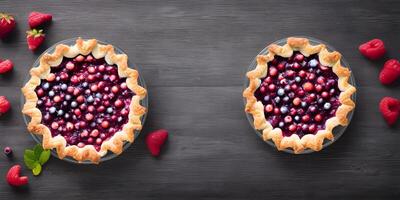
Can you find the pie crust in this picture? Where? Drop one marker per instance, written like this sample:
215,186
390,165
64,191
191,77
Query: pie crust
114,143
256,108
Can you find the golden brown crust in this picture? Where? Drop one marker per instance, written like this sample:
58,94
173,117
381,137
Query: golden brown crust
256,108
88,152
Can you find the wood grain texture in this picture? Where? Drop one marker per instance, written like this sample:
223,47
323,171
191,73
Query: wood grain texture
194,55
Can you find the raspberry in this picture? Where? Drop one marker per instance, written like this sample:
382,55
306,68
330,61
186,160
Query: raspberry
155,140
13,176
6,66
390,71
390,109
373,49
4,105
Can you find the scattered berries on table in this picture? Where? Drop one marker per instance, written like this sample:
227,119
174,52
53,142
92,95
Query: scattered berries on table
155,140
7,24
390,109
14,178
36,19
373,49
4,105
6,66
390,72
34,38
7,151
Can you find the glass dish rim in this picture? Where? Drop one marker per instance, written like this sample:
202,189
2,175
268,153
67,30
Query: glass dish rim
337,131
144,102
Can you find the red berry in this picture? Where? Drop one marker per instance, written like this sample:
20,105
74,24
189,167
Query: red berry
155,141
14,177
36,19
273,71
6,66
390,109
373,49
4,105
318,118
34,38
269,108
308,86
7,24
390,71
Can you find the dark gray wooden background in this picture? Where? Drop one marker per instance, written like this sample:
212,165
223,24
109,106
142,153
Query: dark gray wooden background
194,55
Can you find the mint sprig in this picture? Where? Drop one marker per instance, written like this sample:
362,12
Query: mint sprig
35,158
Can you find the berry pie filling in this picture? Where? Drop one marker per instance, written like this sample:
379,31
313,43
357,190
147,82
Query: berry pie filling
84,100
299,94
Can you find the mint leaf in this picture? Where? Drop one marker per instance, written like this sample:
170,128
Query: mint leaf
38,168
30,154
37,150
30,163
44,157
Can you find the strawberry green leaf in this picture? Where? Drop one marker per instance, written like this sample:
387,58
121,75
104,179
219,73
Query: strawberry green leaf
38,168
38,149
44,157
30,163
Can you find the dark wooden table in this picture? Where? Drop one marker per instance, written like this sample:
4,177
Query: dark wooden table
194,55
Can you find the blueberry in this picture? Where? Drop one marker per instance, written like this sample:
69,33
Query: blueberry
8,151
284,110
287,87
286,99
93,124
297,118
85,84
110,110
64,103
98,95
277,99
58,78
320,100
327,106
281,92
90,99
52,110
74,104
46,86
266,98
297,79
303,104
60,112
52,93
67,116
68,97
313,63
281,124
64,86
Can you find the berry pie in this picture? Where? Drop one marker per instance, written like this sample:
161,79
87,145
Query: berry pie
84,100
298,93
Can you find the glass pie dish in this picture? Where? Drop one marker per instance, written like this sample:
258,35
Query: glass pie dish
297,42
140,82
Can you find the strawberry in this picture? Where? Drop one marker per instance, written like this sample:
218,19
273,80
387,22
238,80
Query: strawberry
155,141
6,66
390,71
36,19
34,38
390,109
14,178
373,49
7,24
4,105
